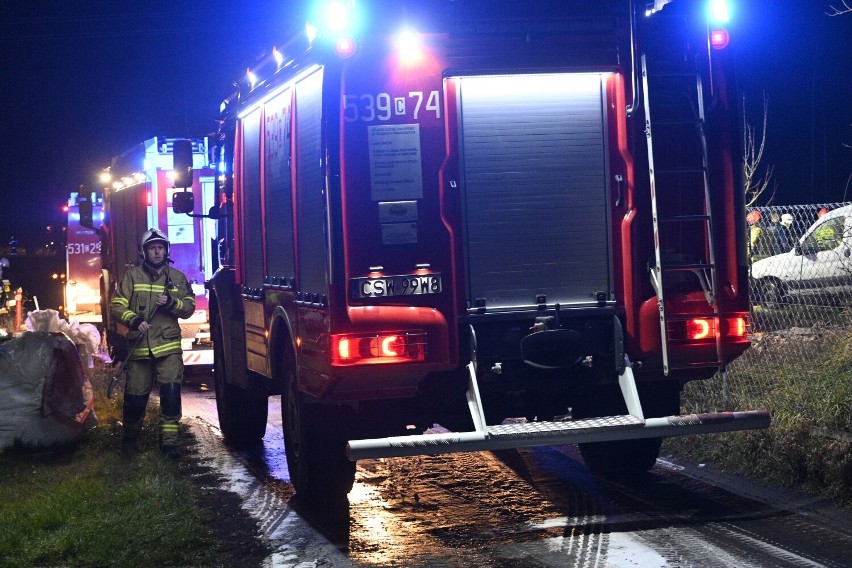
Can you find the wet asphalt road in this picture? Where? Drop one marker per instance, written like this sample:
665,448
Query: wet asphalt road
528,508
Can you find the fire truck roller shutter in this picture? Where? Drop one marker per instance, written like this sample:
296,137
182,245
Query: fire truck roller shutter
534,167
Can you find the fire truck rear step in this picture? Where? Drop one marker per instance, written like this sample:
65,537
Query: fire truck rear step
530,434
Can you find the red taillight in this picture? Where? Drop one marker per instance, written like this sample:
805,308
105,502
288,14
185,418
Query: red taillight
345,47
703,329
735,327
390,347
699,328
719,38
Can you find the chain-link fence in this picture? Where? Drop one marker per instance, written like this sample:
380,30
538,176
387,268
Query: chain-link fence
800,364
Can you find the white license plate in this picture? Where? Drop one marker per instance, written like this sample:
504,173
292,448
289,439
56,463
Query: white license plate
387,286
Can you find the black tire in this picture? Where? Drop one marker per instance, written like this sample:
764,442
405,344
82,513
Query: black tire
625,459
771,292
621,459
315,443
242,415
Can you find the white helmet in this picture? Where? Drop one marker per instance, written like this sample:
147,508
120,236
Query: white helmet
152,236
787,219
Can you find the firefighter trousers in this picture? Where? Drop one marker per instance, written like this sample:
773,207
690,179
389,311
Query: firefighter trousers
167,371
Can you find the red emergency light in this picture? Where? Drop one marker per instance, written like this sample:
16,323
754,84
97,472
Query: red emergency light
719,38
345,47
387,347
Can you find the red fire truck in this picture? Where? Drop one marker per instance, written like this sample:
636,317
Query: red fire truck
463,225
83,263
138,192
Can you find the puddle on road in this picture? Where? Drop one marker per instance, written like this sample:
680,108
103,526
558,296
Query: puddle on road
478,509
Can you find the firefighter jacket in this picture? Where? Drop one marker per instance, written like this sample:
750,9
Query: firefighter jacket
135,301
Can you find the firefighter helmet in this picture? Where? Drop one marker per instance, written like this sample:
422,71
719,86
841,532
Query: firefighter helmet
152,236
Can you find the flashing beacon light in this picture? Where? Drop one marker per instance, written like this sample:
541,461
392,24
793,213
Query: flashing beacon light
335,17
718,12
279,57
409,47
719,38
345,47
311,32
252,78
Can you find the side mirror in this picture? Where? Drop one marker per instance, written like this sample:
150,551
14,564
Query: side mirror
183,202
86,209
182,164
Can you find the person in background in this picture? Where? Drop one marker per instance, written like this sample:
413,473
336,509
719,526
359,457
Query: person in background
788,222
759,245
828,235
149,300
782,239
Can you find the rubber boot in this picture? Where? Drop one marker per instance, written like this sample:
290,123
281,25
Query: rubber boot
129,448
170,414
133,414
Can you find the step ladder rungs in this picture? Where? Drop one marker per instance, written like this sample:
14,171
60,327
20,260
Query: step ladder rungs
682,367
689,266
685,317
685,122
684,218
681,170
673,75
679,148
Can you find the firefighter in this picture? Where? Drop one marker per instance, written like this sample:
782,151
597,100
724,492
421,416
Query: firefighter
757,236
149,300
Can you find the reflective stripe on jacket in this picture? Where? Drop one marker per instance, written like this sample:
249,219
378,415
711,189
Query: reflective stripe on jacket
136,297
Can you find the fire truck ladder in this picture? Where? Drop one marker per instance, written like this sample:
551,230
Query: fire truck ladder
675,127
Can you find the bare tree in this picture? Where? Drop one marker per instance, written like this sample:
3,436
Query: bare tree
845,8
754,184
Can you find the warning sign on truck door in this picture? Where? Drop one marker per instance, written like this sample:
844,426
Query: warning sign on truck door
395,170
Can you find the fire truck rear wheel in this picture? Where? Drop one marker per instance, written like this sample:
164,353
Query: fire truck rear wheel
622,459
315,443
627,458
242,415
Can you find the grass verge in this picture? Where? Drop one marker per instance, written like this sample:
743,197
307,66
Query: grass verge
809,396
83,504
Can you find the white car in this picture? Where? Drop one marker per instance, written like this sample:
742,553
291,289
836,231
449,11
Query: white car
819,265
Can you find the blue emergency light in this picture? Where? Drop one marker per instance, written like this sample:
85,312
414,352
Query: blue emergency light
718,12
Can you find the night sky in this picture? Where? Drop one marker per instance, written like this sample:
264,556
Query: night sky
84,81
